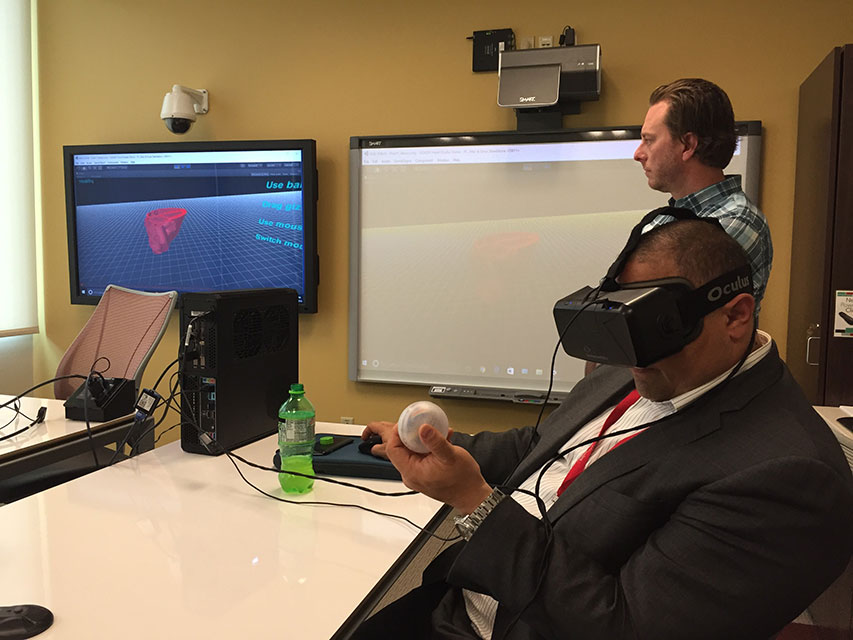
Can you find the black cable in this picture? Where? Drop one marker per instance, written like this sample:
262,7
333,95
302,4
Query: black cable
697,403
386,494
121,445
703,399
319,503
233,456
562,454
168,366
590,299
39,385
15,433
88,394
154,426
19,412
166,405
167,430
40,416
16,408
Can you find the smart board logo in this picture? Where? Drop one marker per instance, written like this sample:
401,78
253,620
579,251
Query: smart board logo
374,143
522,99
732,287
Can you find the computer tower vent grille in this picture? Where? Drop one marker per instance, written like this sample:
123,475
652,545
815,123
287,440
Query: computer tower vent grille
276,328
247,333
210,350
260,330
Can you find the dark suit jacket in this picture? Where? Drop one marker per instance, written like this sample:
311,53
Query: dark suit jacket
724,521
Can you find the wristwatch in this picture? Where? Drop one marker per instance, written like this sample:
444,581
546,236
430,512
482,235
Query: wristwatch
467,525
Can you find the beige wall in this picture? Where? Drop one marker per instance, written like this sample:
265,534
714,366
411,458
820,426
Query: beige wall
16,373
329,69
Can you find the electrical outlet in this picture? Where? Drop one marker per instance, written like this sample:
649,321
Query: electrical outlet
546,41
347,420
525,43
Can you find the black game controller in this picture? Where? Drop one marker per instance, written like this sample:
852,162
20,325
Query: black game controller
23,621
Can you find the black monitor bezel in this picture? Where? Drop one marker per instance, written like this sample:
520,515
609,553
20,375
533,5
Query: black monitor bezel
308,148
479,138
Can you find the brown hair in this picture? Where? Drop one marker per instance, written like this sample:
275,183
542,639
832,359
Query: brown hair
700,107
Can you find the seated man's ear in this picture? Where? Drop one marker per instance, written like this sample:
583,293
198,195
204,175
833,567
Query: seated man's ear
739,312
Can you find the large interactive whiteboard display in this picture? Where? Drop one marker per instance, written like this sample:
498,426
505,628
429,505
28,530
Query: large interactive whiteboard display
460,244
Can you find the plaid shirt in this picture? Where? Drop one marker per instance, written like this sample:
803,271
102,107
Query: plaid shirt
742,220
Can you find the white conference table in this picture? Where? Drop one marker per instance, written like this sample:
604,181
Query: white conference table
175,545
54,439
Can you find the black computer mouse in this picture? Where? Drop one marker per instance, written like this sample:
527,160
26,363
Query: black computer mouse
366,445
23,621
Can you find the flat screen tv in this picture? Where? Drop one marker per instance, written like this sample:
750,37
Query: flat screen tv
193,216
462,243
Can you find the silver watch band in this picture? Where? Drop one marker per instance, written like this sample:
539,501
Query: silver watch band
467,525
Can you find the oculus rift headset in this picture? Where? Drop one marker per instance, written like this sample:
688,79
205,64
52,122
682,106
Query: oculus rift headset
639,323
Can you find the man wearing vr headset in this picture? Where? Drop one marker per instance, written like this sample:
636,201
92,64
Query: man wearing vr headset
690,493
688,139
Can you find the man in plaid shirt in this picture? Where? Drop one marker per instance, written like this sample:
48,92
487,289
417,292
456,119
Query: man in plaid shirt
688,138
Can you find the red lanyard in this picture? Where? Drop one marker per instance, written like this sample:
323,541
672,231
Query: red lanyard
617,413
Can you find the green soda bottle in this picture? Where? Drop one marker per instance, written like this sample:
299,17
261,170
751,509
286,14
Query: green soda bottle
296,441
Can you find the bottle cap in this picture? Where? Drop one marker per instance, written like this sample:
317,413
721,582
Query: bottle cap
297,387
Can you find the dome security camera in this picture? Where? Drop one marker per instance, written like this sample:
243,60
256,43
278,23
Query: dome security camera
180,107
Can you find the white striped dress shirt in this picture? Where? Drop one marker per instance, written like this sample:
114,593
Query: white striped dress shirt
482,608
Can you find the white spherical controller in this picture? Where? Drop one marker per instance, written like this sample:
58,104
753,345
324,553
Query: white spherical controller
416,414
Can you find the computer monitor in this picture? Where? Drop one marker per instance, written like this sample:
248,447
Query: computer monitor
193,216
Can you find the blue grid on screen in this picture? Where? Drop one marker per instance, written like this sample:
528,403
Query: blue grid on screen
216,248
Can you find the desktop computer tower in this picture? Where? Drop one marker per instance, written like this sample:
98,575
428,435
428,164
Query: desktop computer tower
238,364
